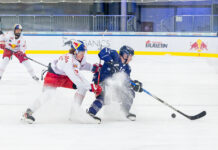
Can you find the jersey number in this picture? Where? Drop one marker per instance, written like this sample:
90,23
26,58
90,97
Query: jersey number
65,58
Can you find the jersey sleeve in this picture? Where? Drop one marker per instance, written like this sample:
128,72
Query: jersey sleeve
108,55
86,66
23,45
2,41
2,37
128,70
75,76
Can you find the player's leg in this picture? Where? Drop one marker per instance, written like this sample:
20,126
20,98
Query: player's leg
30,70
5,60
96,105
50,84
23,60
45,96
77,101
127,98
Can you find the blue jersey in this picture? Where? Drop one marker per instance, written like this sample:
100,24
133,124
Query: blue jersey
109,55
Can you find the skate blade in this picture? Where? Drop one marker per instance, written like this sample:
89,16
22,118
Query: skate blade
131,118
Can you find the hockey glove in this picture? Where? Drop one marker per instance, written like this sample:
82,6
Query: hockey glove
115,66
138,86
96,89
96,68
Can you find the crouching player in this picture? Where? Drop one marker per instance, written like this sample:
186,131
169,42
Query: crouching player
114,62
65,72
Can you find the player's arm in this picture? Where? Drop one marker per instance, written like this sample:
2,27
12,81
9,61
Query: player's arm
2,41
108,55
77,78
86,66
75,75
23,46
111,58
137,87
21,51
90,67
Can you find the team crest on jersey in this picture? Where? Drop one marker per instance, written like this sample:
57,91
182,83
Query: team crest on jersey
75,65
76,71
13,45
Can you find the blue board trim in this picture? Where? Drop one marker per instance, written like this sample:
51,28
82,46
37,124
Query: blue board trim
117,35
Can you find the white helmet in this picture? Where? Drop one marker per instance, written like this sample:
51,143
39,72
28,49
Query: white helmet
17,26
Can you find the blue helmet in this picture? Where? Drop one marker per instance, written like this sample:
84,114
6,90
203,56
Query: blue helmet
78,46
126,50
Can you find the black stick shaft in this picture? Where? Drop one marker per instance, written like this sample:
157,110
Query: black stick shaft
31,59
200,115
36,61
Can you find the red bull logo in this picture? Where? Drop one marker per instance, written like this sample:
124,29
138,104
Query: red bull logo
76,45
13,46
199,46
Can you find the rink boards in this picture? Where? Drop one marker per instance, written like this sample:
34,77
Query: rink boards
204,45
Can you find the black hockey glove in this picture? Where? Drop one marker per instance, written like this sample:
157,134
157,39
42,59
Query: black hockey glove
137,87
114,66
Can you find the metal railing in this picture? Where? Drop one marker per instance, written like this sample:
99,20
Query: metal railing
67,23
84,1
189,23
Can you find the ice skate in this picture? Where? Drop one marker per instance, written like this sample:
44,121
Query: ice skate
97,119
27,117
131,117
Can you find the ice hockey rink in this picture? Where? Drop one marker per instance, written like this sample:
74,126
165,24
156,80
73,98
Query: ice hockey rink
188,83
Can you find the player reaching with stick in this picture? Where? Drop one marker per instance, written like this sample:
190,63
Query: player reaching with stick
65,72
13,43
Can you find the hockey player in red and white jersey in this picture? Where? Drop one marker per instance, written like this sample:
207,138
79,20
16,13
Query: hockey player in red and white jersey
13,43
65,72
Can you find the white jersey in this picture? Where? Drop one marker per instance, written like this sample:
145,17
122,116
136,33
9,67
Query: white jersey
13,44
69,66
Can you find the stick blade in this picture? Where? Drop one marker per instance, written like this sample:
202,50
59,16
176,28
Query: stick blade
198,116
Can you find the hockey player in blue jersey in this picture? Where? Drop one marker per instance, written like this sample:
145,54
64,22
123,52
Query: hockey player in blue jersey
113,63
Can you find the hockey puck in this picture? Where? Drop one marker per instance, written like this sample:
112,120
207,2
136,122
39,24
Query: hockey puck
173,115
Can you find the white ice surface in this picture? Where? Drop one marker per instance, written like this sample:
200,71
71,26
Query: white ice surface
188,83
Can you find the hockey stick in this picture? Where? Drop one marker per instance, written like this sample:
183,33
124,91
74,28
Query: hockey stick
36,61
100,58
198,116
99,73
31,59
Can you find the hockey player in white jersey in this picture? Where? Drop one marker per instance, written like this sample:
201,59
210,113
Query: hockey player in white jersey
13,43
65,72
